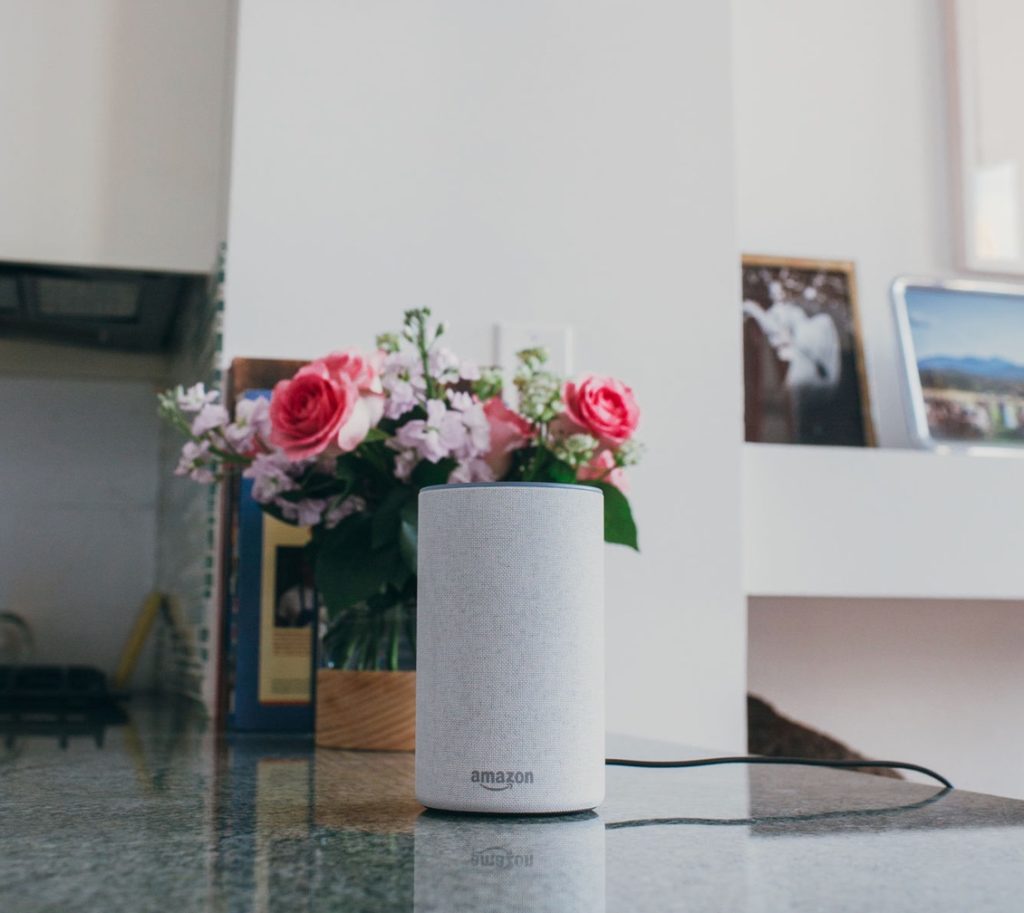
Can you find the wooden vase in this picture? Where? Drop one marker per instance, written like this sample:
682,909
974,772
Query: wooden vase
369,711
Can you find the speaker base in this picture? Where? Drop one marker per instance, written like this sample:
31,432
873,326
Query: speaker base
437,810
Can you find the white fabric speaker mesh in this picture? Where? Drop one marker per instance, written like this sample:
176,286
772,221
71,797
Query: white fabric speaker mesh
510,648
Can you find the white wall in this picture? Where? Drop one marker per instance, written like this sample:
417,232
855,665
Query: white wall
842,152
113,123
936,682
77,512
548,162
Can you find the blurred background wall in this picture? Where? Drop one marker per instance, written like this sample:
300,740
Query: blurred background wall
544,163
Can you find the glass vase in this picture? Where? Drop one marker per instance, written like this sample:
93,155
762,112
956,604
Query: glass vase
378,635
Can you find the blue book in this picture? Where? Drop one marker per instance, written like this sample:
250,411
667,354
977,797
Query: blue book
274,619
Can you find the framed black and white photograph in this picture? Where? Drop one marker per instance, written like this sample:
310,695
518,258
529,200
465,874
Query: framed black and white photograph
963,355
803,361
295,596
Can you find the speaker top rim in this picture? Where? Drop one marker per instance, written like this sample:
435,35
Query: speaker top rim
462,486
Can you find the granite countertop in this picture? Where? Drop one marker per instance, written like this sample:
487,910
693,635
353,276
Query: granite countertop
165,815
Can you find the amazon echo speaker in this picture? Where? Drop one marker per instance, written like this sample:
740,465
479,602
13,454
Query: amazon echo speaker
510,648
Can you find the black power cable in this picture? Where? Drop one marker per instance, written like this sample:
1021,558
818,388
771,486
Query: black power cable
804,762
842,814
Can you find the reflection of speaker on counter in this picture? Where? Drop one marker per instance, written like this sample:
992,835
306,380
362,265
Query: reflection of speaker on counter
539,863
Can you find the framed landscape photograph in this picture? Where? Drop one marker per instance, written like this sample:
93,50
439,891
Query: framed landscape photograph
803,362
963,355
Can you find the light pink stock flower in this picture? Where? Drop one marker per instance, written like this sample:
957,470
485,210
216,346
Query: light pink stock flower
474,470
251,425
403,382
478,433
339,509
302,513
458,430
269,474
405,463
194,462
444,365
476,423
435,437
210,416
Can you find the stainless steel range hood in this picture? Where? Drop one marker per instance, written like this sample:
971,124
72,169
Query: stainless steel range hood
125,310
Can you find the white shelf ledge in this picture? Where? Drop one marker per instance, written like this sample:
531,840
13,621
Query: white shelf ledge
866,523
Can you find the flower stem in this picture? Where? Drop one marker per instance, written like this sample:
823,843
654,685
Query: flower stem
419,318
394,623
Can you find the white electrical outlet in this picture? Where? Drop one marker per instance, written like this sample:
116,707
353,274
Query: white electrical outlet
510,338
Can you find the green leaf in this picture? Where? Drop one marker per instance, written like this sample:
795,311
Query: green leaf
560,471
619,526
347,576
427,473
386,517
375,434
346,471
408,533
313,485
397,570
352,533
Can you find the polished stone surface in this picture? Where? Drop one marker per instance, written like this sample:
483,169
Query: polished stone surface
165,816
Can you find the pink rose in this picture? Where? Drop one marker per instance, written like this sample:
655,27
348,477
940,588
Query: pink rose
509,432
364,372
308,411
351,368
603,407
602,468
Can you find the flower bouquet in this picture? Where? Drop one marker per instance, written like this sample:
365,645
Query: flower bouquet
346,444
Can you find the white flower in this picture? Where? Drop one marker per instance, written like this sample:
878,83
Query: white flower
269,475
195,397
460,400
478,429
444,365
210,416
